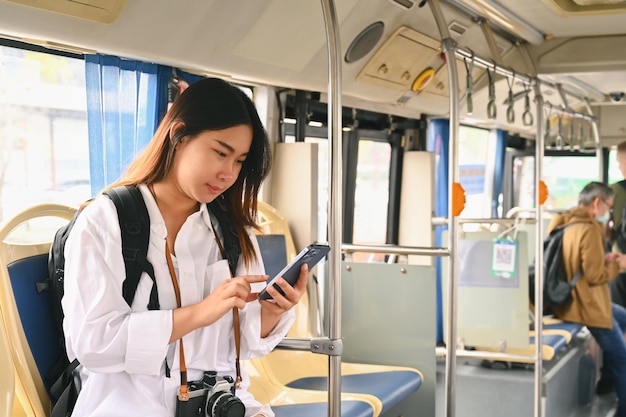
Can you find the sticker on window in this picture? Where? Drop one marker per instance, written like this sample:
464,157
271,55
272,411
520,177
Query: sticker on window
504,258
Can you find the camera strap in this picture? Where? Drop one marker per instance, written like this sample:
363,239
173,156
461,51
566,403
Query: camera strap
183,394
235,315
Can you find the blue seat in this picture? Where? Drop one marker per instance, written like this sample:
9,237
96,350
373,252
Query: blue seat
572,328
554,342
348,408
24,245
274,253
34,309
551,344
390,387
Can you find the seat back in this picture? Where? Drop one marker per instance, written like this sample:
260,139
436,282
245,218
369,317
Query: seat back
34,310
274,253
33,340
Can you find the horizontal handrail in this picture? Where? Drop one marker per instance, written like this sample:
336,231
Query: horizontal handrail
496,356
395,249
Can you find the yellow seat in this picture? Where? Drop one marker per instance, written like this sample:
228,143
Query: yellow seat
26,236
7,382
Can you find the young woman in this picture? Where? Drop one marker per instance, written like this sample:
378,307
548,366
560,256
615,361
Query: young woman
210,145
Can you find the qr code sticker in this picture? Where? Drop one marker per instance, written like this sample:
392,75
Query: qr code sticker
504,257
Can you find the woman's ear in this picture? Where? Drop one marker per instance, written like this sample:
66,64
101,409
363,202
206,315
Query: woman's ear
176,132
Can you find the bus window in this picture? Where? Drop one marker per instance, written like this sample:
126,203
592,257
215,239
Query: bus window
371,196
43,130
322,186
565,176
473,163
615,174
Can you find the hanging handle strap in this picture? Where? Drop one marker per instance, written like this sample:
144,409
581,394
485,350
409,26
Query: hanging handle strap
510,110
235,316
527,117
469,84
491,105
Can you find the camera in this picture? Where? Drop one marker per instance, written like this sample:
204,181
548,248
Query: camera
211,396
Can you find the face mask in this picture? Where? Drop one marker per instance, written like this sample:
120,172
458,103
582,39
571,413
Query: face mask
604,219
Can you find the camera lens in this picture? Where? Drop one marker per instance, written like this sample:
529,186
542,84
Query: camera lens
224,404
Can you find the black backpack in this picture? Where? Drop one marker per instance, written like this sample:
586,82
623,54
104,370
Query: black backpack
135,230
557,291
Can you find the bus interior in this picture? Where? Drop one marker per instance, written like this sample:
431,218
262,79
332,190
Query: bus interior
409,134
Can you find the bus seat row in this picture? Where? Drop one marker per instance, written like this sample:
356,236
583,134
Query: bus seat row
301,373
557,334
293,383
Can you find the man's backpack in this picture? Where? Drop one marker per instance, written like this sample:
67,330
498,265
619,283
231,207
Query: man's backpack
135,231
557,291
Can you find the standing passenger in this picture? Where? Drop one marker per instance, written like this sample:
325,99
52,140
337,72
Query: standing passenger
210,145
583,246
618,285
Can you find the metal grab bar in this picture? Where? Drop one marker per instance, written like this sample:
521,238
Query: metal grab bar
395,250
479,354
335,179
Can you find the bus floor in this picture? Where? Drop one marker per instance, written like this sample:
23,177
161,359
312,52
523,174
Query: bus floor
483,392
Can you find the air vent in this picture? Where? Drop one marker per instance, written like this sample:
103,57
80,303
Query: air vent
597,2
364,42
586,7
456,28
405,4
103,11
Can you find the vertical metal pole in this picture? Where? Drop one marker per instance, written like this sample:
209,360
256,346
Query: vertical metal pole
335,206
539,145
448,46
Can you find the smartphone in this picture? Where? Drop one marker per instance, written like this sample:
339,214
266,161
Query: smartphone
310,255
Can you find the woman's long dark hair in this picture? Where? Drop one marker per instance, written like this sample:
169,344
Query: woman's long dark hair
210,104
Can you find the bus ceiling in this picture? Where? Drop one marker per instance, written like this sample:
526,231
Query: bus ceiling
392,51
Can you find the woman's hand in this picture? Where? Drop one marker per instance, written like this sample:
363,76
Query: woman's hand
230,293
234,292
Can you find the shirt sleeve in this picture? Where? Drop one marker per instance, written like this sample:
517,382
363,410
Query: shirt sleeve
100,329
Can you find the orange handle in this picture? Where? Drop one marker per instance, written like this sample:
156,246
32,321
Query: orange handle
543,192
458,198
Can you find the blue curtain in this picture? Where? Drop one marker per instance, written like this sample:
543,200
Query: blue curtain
438,142
125,102
122,112
502,138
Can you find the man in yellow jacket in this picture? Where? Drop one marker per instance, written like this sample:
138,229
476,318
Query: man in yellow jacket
583,246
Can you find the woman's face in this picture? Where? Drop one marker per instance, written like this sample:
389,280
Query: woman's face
208,164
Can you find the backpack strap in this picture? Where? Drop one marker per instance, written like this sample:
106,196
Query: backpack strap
135,228
579,273
231,245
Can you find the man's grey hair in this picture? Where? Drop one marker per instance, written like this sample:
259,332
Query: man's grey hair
592,191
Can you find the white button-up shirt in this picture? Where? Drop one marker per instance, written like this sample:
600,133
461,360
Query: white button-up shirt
123,350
